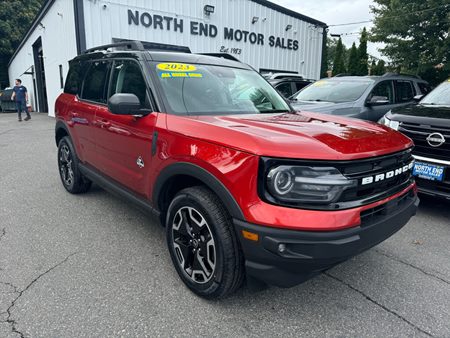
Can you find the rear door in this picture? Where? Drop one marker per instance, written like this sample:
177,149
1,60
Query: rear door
84,107
124,142
404,92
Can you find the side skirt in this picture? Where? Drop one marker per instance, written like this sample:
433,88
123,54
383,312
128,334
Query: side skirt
117,189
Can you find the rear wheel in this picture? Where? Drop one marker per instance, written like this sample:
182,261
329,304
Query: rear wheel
71,177
202,243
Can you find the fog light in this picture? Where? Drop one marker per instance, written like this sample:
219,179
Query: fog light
282,248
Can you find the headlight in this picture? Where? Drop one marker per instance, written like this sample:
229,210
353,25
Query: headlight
387,122
301,184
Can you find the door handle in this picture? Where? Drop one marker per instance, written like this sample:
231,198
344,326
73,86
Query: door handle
103,123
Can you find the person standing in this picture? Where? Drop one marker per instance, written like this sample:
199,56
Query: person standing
20,96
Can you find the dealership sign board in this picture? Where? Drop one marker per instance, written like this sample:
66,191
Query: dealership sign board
163,22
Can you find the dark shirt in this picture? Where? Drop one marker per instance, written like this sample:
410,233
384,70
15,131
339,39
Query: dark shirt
20,92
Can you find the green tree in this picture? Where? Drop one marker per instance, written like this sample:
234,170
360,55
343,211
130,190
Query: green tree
353,61
415,32
339,59
362,53
331,52
373,67
380,68
15,19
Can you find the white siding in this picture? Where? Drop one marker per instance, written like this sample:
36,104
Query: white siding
59,46
105,20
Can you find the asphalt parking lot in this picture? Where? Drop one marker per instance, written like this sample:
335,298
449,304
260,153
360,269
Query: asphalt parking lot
93,266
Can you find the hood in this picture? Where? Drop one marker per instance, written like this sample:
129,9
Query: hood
294,135
343,108
423,111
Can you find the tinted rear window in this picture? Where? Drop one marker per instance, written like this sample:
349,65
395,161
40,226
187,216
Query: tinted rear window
74,78
95,82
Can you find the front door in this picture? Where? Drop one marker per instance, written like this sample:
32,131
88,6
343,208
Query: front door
124,142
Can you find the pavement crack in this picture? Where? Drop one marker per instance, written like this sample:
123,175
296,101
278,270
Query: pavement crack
413,266
10,320
373,301
2,233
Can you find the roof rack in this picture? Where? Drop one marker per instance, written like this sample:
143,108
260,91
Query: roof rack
133,45
222,55
401,74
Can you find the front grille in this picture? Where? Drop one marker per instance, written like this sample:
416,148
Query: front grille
419,133
368,193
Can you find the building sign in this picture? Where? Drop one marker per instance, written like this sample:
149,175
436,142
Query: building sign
155,21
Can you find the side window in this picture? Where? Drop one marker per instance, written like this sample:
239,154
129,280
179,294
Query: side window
300,85
383,90
405,91
285,89
74,78
127,78
95,82
424,88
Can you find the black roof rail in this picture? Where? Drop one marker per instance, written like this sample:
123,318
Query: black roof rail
122,45
133,45
222,55
342,74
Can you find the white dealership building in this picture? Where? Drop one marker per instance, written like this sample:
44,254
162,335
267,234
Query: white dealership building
263,34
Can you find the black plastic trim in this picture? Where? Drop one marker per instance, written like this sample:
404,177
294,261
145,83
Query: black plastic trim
184,168
307,253
60,125
116,188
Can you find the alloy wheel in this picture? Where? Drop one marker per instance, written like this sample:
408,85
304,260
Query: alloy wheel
194,245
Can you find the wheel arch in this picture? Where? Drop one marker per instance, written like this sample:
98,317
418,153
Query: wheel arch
182,175
61,130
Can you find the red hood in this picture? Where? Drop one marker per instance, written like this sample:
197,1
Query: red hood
299,135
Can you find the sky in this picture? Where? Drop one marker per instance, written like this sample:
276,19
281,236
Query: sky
334,12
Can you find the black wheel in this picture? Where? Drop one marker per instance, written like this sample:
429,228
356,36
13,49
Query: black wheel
203,245
71,177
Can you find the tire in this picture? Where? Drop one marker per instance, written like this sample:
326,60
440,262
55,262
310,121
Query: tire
71,177
203,245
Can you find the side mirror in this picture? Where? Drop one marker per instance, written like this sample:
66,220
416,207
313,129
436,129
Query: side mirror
378,101
124,104
417,98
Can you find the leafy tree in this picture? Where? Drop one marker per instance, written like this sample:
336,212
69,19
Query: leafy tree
362,53
415,32
353,61
331,52
380,68
339,59
373,67
15,19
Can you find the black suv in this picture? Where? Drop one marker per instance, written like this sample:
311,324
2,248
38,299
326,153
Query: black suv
428,125
363,97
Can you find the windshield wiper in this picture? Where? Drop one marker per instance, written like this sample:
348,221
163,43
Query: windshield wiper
274,111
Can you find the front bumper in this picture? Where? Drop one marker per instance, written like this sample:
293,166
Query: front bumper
305,254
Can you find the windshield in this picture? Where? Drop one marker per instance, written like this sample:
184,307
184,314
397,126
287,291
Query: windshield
333,91
439,96
216,90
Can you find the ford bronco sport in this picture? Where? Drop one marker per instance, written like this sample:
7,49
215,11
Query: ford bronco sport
245,186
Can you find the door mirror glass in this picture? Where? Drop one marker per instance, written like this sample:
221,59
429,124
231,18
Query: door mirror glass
124,104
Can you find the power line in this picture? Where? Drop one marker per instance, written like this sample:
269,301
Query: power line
389,17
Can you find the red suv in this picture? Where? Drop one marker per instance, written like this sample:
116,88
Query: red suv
245,186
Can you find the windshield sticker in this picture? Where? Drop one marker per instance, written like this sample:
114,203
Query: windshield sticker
319,83
176,67
165,75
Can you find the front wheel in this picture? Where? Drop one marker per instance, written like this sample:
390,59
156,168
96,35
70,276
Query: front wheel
203,245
